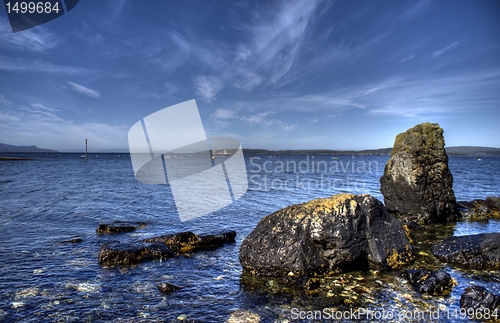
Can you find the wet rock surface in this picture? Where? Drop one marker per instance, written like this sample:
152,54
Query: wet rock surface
436,282
166,288
417,183
241,316
477,297
119,226
163,247
479,210
479,251
344,231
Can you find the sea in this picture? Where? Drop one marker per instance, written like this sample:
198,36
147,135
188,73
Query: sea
54,198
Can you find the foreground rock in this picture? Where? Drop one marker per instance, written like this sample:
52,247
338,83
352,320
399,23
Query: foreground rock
119,253
341,232
119,226
437,282
240,316
479,251
417,183
477,297
166,288
479,210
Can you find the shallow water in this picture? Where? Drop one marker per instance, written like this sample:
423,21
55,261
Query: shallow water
58,197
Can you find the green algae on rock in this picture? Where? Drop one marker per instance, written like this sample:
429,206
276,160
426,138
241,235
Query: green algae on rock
344,231
417,182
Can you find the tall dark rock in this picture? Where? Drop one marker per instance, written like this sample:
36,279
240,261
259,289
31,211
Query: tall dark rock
417,182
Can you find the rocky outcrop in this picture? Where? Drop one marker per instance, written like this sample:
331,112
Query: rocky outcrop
437,282
417,183
477,297
341,232
129,253
240,316
479,210
118,226
166,288
479,251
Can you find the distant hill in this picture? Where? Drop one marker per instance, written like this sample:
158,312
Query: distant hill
472,151
4,148
451,151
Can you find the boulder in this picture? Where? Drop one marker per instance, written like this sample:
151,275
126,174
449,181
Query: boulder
417,183
118,226
166,288
477,297
163,247
436,282
341,232
241,316
478,251
479,210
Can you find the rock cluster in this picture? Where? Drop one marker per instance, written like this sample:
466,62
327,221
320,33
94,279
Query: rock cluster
478,251
437,282
343,231
478,210
417,182
129,253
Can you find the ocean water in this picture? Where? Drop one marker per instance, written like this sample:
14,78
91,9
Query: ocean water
57,197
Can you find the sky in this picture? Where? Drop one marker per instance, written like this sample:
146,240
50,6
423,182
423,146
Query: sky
272,74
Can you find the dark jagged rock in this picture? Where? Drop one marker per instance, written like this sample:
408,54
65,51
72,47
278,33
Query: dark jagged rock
477,297
118,253
343,231
166,288
119,226
437,282
479,251
115,253
479,210
417,183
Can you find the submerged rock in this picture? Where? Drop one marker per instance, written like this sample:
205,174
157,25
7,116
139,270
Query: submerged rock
479,210
166,288
343,231
119,226
477,297
163,247
436,282
417,183
479,251
240,316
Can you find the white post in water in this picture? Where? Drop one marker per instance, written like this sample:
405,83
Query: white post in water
86,154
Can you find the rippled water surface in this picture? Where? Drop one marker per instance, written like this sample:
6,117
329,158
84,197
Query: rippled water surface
58,197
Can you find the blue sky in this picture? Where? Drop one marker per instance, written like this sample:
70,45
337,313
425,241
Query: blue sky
274,75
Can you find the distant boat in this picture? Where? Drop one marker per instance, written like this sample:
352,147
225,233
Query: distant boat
479,159
335,158
168,156
82,156
223,153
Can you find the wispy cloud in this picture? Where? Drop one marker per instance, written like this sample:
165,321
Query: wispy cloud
414,9
32,40
407,58
207,87
447,48
83,90
26,65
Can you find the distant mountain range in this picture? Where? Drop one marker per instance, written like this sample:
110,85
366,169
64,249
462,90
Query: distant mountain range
451,151
4,148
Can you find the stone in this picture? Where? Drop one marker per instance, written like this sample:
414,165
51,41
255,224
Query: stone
119,226
480,251
417,183
345,231
477,297
115,253
436,282
166,288
241,316
479,210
